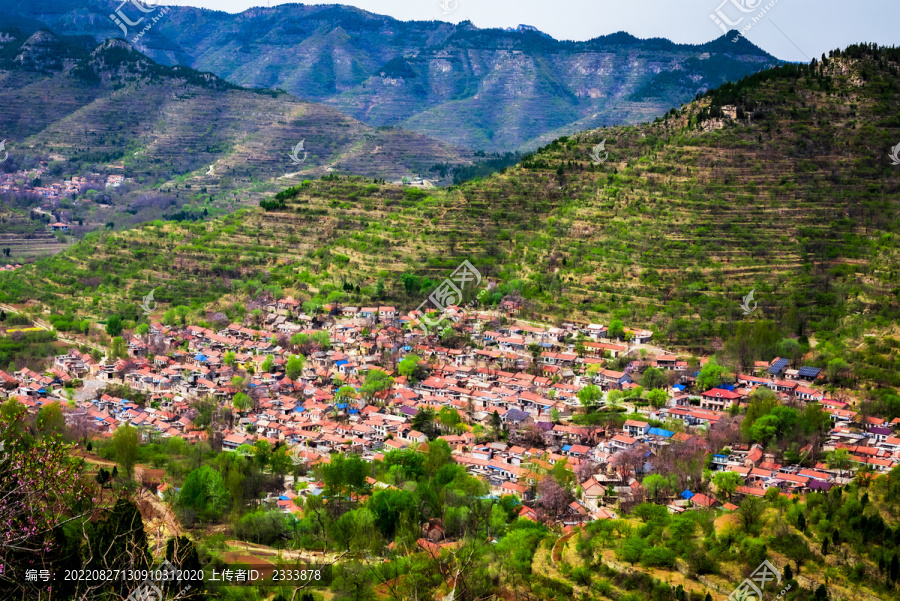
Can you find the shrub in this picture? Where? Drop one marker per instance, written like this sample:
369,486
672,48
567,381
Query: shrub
658,557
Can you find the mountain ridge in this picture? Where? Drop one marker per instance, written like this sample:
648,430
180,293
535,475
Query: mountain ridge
457,73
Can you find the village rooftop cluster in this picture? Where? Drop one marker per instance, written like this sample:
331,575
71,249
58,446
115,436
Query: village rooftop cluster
512,395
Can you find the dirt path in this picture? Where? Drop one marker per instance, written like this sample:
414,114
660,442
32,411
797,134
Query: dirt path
560,541
285,553
162,511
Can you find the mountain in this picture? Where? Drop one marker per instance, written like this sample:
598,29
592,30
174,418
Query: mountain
177,134
493,89
775,184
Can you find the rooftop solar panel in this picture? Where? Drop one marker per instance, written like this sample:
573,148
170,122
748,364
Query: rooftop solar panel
808,372
778,366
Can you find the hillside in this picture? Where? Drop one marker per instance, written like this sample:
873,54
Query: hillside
176,135
432,77
780,184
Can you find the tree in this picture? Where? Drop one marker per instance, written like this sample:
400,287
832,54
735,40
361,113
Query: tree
242,402
268,365
710,375
839,459
102,477
261,526
616,330
408,366
658,398
449,416
352,582
552,497
376,381
114,326
50,419
423,422
750,512
590,397
280,462
653,378
125,443
631,549
563,474
41,487
229,359
294,367
204,494
119,541
838,369
762,401
654,484
182,553
117,349
495,423
439,455
345,476
727,482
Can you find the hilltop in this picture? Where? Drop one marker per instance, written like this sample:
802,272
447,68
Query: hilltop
779,184
432,77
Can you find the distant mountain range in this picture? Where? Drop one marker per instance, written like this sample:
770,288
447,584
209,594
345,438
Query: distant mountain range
82,107
494,89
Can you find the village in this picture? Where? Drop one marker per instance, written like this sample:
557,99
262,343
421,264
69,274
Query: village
507,403
29,182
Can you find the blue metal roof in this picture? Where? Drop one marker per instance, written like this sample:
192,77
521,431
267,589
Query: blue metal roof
679,387
341,405
728,387
567,447
200,357
661,432
341,362
687,494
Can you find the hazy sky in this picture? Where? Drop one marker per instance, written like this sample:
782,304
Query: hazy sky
789,29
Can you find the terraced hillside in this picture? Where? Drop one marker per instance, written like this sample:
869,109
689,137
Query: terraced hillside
23,238
779,184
